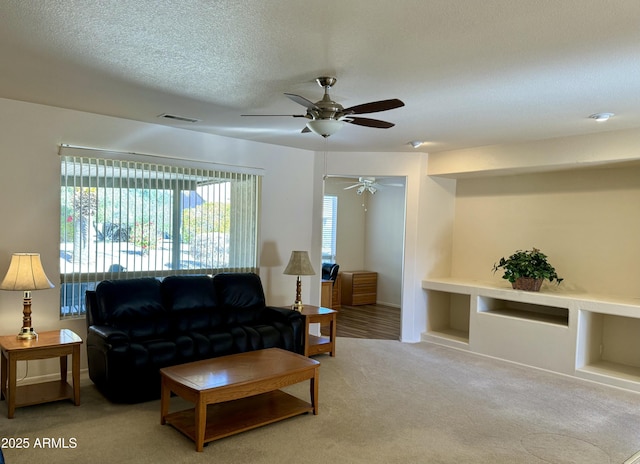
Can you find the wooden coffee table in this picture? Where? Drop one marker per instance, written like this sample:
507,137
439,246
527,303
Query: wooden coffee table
242,389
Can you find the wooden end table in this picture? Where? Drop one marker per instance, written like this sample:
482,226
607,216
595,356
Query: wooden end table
54,344
314,344
235,393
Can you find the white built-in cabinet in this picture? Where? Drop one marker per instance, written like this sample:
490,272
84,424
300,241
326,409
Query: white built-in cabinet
591,337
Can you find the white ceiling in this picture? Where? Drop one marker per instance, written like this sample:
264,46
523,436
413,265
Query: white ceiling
470,72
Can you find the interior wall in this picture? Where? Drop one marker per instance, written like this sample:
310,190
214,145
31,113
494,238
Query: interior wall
428,222
370,232
585,220
30,198
561,153
350,224
384,225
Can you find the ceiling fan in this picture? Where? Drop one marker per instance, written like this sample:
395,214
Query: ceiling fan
327,116
369,184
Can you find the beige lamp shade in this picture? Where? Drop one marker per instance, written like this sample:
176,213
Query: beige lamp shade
25,273
299,264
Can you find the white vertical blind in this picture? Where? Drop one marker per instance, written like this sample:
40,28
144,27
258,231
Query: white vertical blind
124,219
329,224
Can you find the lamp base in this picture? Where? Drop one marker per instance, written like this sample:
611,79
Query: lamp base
27,333
297,306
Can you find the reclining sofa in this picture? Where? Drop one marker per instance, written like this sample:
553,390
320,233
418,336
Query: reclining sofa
135,327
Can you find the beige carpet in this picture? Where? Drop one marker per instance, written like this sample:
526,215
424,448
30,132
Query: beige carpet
381,401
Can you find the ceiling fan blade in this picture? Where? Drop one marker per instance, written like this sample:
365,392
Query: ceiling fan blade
368,122
282,115
352,186
308,104
374,107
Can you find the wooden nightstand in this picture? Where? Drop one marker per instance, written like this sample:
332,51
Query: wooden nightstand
55,344
325,317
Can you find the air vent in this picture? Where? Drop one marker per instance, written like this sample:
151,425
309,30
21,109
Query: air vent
177,118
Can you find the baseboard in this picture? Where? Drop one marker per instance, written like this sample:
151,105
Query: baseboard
635,459
391,305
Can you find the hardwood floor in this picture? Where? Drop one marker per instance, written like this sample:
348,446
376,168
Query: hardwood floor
369,321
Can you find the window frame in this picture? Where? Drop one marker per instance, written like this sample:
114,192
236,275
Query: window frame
240,241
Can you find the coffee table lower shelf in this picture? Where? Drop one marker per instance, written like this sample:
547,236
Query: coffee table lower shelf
232,417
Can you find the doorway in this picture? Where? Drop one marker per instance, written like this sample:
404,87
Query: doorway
369,236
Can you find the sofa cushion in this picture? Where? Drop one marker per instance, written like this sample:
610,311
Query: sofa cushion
264,336
192,303
241,295
133,306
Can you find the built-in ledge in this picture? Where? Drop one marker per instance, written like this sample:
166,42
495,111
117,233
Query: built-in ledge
529,311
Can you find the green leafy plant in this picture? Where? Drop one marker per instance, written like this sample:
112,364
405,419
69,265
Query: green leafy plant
531,264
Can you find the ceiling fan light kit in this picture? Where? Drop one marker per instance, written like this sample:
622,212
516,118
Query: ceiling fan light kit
327,116
365,184
325,127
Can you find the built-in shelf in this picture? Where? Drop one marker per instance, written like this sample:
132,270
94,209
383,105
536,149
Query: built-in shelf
529,311
593,337
609,348
449,319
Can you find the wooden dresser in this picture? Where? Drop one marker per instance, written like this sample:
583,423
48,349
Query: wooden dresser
359,287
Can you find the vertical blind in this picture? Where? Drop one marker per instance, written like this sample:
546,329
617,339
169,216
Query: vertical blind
329,224
124,219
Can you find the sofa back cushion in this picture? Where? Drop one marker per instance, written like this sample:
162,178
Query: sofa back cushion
241,295
192,303
133,306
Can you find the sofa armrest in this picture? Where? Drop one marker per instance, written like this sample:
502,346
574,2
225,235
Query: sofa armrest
284,315
106,336
290,318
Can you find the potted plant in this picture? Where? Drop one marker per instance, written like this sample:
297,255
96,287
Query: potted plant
527,269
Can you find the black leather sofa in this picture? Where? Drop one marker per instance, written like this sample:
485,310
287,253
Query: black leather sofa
135,327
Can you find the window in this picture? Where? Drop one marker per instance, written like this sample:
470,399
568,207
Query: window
329,221
123,219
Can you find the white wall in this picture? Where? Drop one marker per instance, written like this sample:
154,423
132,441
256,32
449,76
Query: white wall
577,218
429,218
29,195
586,221
291,203
575,198
385,240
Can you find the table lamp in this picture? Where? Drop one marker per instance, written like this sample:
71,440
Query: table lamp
25,273
299,264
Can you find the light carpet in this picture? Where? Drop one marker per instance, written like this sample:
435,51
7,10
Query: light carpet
381,401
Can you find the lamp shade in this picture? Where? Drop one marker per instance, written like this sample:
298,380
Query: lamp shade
325,127
299,264
25,273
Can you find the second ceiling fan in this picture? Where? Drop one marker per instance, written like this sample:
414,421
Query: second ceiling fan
327,116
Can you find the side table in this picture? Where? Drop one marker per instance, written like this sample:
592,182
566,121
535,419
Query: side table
54,344
325,317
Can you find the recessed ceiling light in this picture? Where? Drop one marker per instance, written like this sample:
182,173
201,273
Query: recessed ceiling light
600,117
416,143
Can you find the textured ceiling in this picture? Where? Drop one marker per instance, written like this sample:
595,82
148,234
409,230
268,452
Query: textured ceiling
470,72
